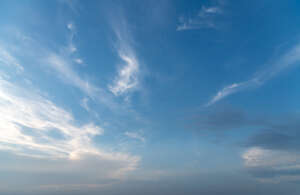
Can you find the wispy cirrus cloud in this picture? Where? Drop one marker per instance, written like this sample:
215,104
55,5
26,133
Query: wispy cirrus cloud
72,28
84,103
135,135
205,18
290,58
33,126
63,66
226,91
7,59
61,60
127,78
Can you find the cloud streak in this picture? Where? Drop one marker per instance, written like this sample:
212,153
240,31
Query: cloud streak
61,61
127,75
288,59
135,135
127,78
62,65
7,59
71,47
204,19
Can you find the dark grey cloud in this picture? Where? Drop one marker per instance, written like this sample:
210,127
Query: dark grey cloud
272,149
279,133
280,144
224,118
271,139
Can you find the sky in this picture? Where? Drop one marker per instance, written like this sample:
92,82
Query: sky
138,97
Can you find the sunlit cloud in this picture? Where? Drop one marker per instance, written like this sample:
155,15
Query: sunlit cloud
34,126
127,78
272,165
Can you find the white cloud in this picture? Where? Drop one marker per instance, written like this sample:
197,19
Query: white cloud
70,26
84,104
272,165
71,47
258,157
288,59
63,66
210,10
127,78
204,19
78,61
33,126
225,92
135,135
7,59
62,61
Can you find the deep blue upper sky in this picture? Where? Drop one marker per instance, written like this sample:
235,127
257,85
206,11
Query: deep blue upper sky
150,97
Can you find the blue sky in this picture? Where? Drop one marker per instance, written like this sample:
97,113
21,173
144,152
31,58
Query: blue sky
149,97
